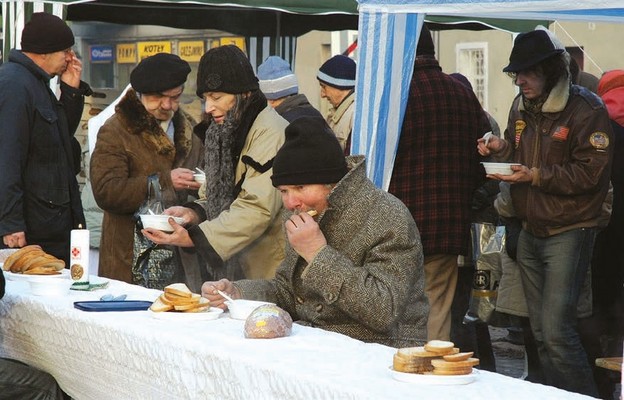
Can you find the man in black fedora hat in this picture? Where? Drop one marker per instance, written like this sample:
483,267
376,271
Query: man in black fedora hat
560,136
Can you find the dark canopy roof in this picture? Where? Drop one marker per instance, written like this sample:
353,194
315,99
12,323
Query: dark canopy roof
259,17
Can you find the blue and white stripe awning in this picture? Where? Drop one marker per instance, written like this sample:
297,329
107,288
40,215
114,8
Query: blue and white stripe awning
387,38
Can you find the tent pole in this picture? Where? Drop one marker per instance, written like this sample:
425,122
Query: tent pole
278,33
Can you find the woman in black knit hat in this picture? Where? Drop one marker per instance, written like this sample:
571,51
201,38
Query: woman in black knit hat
234,227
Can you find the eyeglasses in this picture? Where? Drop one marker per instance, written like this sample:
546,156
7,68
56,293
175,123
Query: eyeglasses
525,72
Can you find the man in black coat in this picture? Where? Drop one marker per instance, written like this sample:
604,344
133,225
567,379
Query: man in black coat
40,203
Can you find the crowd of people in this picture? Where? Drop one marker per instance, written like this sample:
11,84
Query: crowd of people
287,215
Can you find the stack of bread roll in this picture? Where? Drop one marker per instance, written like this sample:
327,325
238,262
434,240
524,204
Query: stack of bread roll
437,357
32,260
178,297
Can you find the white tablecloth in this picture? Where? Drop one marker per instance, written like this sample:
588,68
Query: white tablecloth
131,355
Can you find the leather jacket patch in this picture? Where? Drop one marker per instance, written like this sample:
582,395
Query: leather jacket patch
561,133
599,140
520,125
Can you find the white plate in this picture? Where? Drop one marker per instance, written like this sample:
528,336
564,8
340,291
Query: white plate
434,379
212,313
29,278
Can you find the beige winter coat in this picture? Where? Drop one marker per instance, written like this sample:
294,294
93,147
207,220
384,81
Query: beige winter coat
250,228
340,119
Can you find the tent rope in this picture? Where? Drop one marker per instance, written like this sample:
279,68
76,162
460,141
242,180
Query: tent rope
558,25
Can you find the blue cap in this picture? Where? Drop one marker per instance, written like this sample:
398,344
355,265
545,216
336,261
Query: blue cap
276,80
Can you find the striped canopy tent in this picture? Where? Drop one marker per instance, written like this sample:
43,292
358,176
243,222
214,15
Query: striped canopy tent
387,37
16,13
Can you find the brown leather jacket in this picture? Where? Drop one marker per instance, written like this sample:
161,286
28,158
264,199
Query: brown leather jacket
569,147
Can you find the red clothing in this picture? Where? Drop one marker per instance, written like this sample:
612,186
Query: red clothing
437,164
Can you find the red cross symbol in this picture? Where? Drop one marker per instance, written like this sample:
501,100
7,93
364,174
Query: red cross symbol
75,252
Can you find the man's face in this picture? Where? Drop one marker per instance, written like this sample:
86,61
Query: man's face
218,104
531,83
302,198
332,94
162,105
56,63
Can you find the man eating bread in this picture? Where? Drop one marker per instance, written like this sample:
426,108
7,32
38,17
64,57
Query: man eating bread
356,267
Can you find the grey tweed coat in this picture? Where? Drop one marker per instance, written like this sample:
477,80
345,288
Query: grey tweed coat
368,282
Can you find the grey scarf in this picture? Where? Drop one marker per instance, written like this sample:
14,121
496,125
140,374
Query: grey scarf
219,166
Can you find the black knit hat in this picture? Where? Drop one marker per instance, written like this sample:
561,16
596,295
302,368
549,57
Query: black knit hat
159,73
311,154
46,33
425,45
225,69
338,72
530,49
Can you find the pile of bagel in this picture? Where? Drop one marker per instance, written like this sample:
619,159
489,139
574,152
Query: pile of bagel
32,260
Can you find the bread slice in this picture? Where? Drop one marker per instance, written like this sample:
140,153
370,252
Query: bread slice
419,351
43,270
159,306
443,364
199,306
440,347
8,263
415,365
188,304
44,260
459,371
178,289
179,300
458,356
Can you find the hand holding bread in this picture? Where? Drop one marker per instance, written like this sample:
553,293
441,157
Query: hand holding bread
32,260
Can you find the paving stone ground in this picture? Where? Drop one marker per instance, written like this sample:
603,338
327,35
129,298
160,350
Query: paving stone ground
510,357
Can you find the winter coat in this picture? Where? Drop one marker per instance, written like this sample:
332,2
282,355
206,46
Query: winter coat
131,146
510,298
250,228
368,281
38,156
569,148
437,170
340,120
295,106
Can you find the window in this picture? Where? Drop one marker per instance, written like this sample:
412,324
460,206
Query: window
472,63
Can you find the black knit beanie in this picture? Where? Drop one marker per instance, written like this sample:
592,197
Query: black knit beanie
46,33
339,72
225,69
425,43
311,154
159,73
